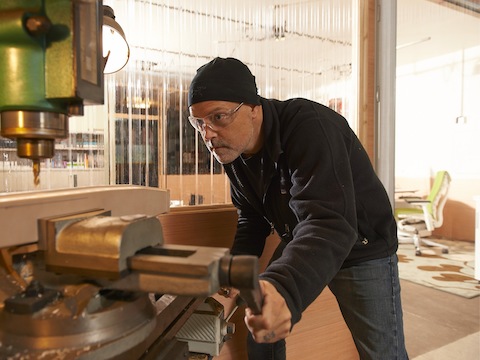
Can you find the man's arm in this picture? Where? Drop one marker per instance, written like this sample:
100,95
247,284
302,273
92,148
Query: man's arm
252,228
323,200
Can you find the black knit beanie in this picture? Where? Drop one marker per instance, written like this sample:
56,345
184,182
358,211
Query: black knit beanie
223,80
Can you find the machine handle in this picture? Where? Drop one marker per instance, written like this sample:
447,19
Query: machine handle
241,272
253,300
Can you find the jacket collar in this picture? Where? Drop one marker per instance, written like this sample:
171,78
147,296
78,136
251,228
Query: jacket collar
271,128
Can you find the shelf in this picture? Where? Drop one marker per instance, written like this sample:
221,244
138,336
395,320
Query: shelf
46,170
84,148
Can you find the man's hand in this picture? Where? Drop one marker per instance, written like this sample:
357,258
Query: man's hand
274,322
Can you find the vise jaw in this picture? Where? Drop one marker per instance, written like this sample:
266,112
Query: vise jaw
95,244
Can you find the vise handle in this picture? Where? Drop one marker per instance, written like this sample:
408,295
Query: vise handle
241,272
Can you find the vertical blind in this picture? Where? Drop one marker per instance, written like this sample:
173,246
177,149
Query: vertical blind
297,48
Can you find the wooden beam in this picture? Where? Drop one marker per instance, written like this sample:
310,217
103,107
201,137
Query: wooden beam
366,90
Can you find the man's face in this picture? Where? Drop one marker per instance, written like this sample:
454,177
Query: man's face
228,129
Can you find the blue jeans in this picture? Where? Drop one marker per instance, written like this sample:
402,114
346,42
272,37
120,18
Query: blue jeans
368,295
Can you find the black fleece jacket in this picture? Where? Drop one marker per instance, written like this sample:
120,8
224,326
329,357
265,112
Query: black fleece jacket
320,194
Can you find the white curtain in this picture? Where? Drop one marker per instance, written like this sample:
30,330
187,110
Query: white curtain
142,136
295,49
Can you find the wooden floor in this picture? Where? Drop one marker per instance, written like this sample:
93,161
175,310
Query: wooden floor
434,318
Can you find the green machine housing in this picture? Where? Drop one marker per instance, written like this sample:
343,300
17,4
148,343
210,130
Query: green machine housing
51,65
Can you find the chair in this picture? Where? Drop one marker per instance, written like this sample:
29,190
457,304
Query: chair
424,215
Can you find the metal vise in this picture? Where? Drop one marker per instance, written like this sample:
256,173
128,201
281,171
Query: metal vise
127,253
88,285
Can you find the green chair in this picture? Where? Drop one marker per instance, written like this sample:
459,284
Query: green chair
424,215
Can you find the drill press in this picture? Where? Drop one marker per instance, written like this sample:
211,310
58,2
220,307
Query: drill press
49,70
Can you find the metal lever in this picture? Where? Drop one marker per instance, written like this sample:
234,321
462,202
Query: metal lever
241,272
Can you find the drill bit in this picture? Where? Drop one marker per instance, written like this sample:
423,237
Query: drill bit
36,172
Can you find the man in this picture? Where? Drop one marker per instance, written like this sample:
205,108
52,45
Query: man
297,168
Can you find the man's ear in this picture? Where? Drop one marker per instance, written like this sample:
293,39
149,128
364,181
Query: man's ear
256,110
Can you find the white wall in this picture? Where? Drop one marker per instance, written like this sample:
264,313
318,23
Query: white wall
438,116
438,91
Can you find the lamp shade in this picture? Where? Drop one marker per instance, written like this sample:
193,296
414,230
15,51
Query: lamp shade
115,46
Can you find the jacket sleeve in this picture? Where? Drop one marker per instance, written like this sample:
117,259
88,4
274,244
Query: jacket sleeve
322,198
252,228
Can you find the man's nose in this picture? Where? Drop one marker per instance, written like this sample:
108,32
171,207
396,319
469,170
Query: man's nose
208,133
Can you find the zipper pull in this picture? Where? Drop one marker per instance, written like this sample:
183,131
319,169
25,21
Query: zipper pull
272,227
283,182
